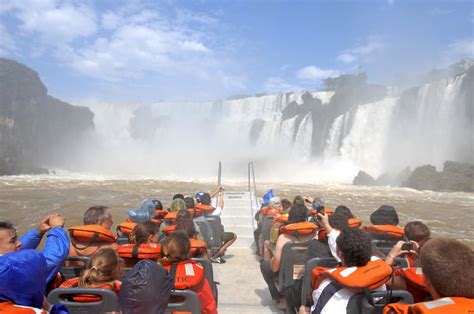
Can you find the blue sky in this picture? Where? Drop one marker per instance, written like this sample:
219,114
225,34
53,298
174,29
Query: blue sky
146,51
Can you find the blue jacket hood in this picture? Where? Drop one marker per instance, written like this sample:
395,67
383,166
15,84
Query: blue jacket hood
23,277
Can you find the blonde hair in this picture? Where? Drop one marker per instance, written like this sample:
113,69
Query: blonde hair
104,267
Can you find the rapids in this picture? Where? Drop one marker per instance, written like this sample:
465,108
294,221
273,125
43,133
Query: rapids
25,199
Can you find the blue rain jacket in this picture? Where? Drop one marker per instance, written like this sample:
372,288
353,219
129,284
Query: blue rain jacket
23,277
56,248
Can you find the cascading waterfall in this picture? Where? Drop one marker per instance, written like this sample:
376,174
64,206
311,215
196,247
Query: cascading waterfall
429,124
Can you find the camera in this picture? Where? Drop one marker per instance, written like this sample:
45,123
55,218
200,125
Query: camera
407,246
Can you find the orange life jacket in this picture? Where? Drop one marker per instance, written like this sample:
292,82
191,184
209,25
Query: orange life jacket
204,208
142,251
299,228
197,247
390,231
354,222
126,227
270,211
171,217
194,211
447,305
91,234
314,212
74,282
160,214
370,276
414,282
168,230
188,274
280,219
8,307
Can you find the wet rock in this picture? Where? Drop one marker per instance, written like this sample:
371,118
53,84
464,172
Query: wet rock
363,178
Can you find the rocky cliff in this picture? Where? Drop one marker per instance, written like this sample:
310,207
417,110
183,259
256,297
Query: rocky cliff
36,130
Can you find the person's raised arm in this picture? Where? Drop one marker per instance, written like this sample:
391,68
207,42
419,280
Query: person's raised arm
276,259
32,238
56,248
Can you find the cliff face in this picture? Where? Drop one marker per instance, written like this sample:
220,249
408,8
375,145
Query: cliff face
36,130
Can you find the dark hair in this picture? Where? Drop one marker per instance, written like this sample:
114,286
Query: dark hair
447,264
298,213
185,223
417,231
177,247
338,221
142,232
355,247
180,196
206,199
7,225
298,200
344,210
158,204
96,214
189,201
384,215
285,204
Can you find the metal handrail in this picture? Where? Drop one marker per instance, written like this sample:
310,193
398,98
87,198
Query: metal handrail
219,182
251,172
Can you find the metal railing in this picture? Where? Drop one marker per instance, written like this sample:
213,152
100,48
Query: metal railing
251,174
219,182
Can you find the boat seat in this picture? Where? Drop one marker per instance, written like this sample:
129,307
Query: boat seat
108,302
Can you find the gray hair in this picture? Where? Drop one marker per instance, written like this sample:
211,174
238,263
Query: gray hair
96,214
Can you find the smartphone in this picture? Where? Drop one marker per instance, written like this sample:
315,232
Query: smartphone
320,210
407,246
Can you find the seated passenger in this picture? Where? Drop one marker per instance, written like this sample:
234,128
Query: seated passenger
102,272
358,273
447,269
187,273
176,205
146,288
205,229
143,244
55,249
273,208
95,234
184,223
384,224
270,266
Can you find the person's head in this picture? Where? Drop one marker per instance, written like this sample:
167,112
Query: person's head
354,247
8,238
198,196
144,232
338,221
185,223
298,213
145,288
317,204
178,196
98,215
417,231
158,204
285,204
104,267
206,199
298,200
176,247
275,202
189,202
177,204
384,215
345,211
447,268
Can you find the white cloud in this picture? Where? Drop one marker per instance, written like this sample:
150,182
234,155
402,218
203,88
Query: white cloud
439,11
313,73
7,45
457,50
363,52
279,85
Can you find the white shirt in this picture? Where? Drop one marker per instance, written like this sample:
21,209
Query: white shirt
332,237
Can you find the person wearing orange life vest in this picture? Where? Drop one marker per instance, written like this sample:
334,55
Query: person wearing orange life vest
205,230
271,266
447,269
102,272
186,273
97,220
355,251
411,278
185,223
143,244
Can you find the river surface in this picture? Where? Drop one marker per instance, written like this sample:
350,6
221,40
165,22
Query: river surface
25,199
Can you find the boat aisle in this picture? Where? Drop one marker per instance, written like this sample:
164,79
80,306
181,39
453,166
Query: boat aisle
242,288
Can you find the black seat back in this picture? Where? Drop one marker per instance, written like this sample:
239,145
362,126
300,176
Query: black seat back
187,301
293,262
108,302
328,262
77,265
373,302
217,232
384,246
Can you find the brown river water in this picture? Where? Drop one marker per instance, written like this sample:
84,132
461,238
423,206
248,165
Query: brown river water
25,199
